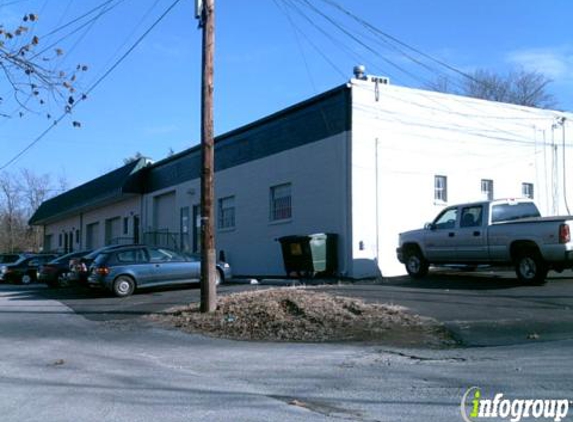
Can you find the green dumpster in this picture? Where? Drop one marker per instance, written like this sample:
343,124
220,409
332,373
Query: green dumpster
313,255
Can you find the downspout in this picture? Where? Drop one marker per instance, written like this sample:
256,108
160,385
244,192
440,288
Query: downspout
81,231
376,196
348,228
563,122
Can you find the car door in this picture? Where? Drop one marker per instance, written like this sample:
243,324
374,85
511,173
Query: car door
440,237
471,236
135,262
170,267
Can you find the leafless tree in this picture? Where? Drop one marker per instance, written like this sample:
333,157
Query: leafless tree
527,88
27,71
20,196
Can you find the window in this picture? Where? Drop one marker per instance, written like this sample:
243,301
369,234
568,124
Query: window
131,256
226,218
471,217
60,240
447,219
125,225
513,211
527,190
164,255
441,188
281,204
487,189
77,236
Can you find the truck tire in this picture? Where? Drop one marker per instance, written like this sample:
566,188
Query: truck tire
416,264
530,267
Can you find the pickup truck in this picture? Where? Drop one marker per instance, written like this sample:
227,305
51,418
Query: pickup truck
498,233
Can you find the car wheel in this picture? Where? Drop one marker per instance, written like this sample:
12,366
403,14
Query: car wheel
123,286
26,279
63,280
219,277
416,264
530,267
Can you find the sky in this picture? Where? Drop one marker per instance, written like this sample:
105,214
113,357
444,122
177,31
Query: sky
269,54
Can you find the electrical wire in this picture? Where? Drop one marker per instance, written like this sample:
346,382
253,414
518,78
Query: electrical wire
348,33
93,86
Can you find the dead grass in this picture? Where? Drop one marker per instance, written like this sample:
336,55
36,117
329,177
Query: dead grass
298,314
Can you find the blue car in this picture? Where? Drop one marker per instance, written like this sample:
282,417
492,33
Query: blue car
122,270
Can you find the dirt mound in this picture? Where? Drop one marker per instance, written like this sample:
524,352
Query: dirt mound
305,315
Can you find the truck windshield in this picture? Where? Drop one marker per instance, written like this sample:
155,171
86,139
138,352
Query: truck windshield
510,212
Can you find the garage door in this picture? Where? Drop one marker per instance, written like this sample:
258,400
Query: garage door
164,213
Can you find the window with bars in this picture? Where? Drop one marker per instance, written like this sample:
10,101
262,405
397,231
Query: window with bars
527,190
281,202
487,189
441,188
226,218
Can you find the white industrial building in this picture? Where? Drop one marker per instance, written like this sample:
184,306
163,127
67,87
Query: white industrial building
365,161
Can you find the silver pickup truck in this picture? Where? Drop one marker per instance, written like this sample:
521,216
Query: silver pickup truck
498,233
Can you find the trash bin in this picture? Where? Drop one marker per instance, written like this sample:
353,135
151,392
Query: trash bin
312,255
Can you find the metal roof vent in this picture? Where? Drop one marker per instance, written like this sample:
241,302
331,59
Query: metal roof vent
360,72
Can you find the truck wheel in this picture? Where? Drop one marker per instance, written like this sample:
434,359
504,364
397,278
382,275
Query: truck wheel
416,264
530,267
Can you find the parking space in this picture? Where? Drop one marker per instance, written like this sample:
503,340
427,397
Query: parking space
480,308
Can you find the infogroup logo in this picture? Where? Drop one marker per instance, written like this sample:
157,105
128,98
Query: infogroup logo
474,407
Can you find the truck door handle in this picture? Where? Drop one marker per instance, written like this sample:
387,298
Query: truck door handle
477,234
451,234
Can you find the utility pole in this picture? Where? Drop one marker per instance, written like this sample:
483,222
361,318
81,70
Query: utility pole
205,12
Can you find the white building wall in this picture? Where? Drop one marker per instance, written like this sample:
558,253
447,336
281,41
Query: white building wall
128,207
125,208
402,138
319,197
63,227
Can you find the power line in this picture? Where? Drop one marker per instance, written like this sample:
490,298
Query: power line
396,40
348,33
93,86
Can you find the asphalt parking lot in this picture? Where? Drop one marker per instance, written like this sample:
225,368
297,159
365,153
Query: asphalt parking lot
479,309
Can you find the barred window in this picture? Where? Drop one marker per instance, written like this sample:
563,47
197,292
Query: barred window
527,190
226,218
281,203
441,188
487,189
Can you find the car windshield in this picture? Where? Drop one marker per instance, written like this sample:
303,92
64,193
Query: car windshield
95,253
65,258
516,211
100,259
8,259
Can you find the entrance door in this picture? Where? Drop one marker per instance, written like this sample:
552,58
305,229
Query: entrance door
136,229
92,241
196,228
184,229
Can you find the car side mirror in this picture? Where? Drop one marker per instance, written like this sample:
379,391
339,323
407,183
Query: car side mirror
429,226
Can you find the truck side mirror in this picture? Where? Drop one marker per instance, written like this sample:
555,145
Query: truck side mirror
429,226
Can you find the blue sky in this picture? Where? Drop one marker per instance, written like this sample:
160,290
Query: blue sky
150,103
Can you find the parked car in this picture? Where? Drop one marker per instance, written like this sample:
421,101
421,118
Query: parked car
80,265
25,269
500,233
55,273
9,258
124,269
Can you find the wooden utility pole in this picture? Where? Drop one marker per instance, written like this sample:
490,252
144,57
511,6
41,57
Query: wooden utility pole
206,14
